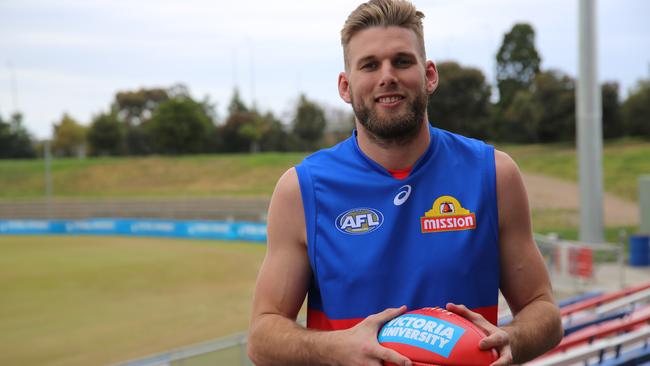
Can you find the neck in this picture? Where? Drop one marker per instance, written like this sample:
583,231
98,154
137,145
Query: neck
394,156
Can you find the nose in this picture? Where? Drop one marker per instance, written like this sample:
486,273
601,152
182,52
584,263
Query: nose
388,75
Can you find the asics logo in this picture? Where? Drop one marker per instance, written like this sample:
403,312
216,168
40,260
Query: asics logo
402,195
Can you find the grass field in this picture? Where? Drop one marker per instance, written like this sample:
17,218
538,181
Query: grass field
201,175
99,300
256,175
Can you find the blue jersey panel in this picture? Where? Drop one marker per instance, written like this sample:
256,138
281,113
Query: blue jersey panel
376,242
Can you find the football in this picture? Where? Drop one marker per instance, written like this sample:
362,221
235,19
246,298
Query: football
436,337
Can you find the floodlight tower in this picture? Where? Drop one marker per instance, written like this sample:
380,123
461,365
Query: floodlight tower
589,131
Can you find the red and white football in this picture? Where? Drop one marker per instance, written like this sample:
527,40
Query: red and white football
436,337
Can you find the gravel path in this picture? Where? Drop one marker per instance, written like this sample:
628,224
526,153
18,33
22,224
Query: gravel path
551,193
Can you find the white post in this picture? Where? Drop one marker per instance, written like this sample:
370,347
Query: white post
48,177
589,131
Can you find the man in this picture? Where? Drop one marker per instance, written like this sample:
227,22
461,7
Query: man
398,214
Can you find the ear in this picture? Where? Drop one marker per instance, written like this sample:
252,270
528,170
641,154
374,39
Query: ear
344,87
431,74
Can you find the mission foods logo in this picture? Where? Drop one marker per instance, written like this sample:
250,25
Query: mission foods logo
447,214
359,221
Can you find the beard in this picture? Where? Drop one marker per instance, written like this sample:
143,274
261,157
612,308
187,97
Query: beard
396,129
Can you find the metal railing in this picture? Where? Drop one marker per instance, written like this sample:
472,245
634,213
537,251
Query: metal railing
227,351
576,267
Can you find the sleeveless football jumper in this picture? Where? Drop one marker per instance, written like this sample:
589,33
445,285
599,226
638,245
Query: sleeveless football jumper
376,242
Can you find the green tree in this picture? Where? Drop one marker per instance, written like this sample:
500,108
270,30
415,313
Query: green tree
137,106
543,113
69,137
210,109
106,135
554,98
636,111
230,133
180,126
253,131
243,130
518,122
340,124
15,140
134,108
309,122
612,120
461,103
517,62
275,137
236,104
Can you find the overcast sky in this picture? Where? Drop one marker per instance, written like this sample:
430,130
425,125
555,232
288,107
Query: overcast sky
73,55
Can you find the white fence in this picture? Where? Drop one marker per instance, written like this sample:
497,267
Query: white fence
576,267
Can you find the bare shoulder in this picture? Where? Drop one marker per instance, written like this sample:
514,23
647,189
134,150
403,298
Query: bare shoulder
511,193
286,213
287,186
506,167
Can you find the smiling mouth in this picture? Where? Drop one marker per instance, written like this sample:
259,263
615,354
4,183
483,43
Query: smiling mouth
389,100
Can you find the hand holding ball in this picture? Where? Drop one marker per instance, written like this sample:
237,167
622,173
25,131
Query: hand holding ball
435,336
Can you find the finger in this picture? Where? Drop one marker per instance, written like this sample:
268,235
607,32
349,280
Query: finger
462,310
505,359
388,314
494,340
389,355
474,317
459,309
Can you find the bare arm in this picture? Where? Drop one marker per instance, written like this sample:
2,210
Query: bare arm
275,338
536,325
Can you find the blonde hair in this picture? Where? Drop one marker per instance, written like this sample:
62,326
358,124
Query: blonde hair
383,13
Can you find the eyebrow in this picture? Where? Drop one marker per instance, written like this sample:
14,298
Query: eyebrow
373,57
406,54
365,59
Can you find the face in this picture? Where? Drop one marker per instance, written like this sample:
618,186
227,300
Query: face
387,82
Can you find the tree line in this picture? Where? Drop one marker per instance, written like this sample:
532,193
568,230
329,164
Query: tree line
531,105
534,105
169,121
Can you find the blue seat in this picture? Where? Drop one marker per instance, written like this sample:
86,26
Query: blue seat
636,357
603,318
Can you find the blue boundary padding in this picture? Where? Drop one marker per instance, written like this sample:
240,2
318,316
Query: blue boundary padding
638,356
221,230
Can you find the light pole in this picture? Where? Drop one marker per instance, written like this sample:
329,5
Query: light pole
589,131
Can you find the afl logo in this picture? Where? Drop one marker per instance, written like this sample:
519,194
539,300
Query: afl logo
402,195
359,221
